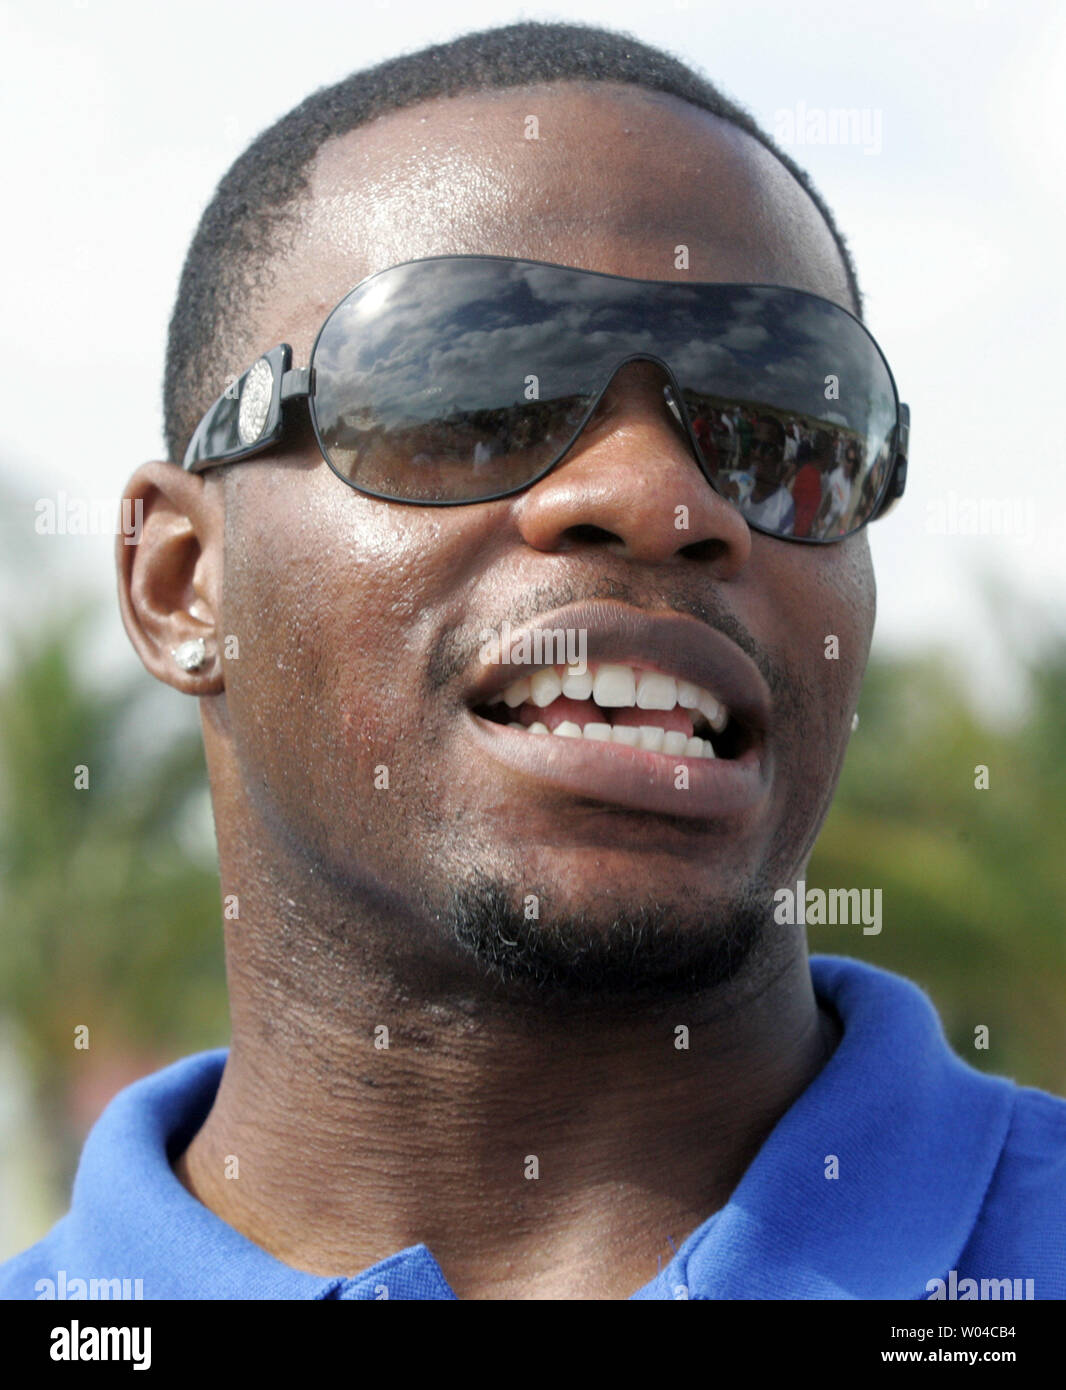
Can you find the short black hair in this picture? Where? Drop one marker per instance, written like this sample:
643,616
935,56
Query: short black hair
243,224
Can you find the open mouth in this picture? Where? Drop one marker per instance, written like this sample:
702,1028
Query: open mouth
621,704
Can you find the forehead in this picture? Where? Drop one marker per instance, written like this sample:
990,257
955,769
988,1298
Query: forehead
602,176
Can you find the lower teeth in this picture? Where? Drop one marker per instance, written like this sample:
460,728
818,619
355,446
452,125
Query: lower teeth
647,737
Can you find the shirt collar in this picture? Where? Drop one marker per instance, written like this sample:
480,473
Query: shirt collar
130,1209
916,1134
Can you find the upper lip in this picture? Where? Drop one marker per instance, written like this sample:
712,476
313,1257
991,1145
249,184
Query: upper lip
676,645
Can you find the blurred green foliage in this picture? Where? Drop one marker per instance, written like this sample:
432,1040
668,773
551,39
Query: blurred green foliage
973,881
109,920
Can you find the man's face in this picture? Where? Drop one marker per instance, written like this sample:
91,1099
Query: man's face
360,622
767,445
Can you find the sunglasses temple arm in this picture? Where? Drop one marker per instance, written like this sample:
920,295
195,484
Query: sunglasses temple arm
218,438
295,383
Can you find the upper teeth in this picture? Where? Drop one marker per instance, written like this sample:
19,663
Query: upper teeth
615,686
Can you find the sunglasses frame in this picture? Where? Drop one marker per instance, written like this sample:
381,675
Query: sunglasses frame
290,384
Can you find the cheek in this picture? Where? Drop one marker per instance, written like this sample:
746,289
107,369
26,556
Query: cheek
332,596
825,599
851,593
821,607
847,577
841,603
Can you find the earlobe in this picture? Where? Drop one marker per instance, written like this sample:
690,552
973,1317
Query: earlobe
170,576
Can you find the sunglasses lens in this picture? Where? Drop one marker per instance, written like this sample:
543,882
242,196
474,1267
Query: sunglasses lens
431,384
796,426
461,379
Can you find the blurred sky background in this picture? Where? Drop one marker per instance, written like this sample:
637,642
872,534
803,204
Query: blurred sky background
119,119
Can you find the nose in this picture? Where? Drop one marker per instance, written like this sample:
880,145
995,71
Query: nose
631,483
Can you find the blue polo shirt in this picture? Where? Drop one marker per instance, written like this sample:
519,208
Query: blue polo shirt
940,1173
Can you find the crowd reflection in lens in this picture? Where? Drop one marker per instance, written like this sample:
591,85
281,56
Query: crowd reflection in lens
788,474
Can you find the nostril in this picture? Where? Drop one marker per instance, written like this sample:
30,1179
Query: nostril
587,534
709,549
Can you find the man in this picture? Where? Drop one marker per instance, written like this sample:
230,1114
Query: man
792,441
839,483
806,486
768,498
513,1013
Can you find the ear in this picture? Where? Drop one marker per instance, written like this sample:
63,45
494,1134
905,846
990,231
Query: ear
170,572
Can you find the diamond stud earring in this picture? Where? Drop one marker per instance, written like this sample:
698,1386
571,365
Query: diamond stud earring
191,655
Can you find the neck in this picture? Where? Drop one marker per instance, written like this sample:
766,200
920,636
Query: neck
352,1150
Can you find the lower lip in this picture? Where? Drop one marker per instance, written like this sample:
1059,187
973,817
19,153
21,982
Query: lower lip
718,788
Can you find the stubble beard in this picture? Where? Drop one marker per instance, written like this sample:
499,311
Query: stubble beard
639,953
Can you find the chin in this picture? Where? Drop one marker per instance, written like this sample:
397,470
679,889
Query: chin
611,951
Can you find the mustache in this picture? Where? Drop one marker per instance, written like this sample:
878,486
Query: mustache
456,648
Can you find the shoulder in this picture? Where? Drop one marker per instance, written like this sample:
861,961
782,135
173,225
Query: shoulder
1027,1194
1020,1231
981,1158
